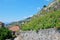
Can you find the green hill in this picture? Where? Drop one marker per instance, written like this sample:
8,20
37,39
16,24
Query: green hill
48,17
49,20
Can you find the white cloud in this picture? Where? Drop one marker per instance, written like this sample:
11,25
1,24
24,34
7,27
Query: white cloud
27,16
38,8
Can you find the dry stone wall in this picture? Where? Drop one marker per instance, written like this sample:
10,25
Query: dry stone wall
46,34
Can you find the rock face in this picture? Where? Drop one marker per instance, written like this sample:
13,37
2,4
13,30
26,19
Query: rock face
47,34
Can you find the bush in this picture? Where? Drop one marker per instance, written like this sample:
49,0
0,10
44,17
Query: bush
5,34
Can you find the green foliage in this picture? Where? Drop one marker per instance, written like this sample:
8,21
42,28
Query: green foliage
59,0
49,20
5,33
44,6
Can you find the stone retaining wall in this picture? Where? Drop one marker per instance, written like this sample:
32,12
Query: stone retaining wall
46,34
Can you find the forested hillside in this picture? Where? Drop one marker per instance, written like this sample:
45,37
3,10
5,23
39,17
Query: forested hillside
49,17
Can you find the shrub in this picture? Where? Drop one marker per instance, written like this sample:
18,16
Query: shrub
5,34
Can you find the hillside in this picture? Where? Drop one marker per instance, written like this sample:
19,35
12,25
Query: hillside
48,17
45,25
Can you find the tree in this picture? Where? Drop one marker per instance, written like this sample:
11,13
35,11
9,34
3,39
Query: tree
44,6
5,33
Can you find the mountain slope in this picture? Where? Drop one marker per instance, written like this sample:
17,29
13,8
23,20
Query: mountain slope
49,17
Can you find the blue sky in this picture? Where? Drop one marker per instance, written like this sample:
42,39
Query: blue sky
14,10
